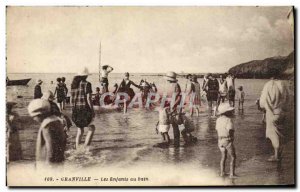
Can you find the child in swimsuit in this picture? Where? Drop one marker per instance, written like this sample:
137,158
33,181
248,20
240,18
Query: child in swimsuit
241,97
225,130
164,124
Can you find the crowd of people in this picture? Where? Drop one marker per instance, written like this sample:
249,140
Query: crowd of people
220,94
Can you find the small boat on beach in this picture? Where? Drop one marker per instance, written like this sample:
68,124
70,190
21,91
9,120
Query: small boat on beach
21,82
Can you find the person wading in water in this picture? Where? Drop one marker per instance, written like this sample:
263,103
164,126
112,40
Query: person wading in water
125,86
82,111
174,88
212,91
275,100
106,69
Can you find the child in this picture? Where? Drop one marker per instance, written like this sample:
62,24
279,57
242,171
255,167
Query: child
60,92
50,144
241,96
63,80
262,110
225,130
54,110
188,129
96,99
164,124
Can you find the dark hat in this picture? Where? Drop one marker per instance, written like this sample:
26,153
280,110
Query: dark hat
188,75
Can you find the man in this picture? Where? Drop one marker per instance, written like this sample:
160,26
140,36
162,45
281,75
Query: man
38,90
83,112
274,99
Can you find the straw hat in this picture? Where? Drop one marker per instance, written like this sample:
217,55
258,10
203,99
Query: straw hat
224,107
48,96
84,72
38,107
39,81
170,76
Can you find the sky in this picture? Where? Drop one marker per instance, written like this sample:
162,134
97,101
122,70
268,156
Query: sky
143,39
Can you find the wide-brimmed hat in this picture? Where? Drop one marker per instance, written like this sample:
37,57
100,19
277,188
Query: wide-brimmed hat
39,81
84,72
170,76
48,95
224,107
38,107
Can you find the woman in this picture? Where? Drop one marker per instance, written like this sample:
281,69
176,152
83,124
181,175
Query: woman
212,86
274,100
82,111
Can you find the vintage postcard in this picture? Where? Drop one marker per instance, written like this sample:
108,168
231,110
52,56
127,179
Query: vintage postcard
150,96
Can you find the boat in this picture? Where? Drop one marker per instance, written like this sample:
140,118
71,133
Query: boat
21,82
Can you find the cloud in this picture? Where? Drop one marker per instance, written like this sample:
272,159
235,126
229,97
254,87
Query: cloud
144,39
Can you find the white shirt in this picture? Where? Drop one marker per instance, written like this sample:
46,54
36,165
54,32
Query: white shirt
230,82
224,125
274,97
223,87
163,117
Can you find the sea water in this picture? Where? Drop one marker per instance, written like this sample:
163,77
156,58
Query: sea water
127,140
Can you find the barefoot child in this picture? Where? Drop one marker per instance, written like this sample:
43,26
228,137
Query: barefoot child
164,124
225,130
241,97
188,129
54,110
51,140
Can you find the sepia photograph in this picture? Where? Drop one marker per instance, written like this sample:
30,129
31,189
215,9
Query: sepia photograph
150,96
